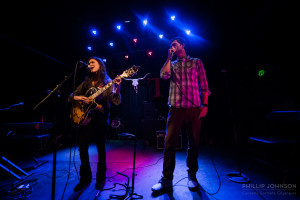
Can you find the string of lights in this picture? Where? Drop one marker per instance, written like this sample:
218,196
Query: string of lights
132,39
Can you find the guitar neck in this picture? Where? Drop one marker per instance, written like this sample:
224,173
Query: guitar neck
126,73
101,90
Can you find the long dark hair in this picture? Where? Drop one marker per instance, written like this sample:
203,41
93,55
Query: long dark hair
100,76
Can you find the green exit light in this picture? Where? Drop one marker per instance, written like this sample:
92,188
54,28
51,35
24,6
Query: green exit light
261,72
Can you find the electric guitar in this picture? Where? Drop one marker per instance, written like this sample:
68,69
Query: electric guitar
81,113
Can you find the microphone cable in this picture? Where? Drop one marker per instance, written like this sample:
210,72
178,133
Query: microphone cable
220,183
211,158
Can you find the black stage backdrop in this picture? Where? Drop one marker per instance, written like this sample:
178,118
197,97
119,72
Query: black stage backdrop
242,40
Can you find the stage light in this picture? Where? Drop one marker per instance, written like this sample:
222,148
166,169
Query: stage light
111,44
89,48
104,59
150,53
135,40
173,17
119,27
126,57
160,36
188,32
94,32
145,22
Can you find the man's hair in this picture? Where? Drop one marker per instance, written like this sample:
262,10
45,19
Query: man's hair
180,40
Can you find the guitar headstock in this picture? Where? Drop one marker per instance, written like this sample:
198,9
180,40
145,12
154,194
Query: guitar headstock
130,72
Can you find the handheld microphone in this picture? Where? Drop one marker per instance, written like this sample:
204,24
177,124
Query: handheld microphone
172,53
83,64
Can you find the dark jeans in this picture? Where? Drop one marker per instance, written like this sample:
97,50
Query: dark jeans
176,118
96,132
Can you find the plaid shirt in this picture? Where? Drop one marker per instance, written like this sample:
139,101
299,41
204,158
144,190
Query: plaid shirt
187,81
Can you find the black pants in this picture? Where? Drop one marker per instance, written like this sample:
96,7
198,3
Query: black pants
96,132
176,118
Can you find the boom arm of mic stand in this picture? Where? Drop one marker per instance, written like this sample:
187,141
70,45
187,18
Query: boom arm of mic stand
54,90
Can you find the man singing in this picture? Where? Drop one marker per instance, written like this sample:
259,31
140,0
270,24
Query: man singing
187,83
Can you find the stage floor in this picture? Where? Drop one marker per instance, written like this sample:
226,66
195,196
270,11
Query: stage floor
264,181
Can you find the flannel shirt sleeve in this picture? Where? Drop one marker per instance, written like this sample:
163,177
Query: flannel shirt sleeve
202,77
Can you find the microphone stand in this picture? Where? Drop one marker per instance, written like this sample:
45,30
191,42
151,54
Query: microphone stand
55,134
235,176
54,90
130,194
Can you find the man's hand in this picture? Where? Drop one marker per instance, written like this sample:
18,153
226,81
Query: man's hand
171,53
203,112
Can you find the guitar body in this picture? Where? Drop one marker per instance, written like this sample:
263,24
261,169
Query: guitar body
80,112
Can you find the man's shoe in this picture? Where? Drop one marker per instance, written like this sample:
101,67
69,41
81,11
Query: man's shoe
100,185
163,184
81,185
193,183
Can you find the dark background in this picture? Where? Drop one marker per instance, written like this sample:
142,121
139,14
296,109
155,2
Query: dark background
42,41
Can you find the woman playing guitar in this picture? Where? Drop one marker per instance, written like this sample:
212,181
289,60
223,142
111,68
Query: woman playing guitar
96,127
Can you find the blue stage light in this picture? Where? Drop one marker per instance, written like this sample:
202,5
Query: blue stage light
94,32
188,32
89,48
173,17
104,59
111,44
145,22
160,36
119,27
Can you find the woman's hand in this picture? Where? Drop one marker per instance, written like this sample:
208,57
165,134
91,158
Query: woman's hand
118,80
82,99
118,86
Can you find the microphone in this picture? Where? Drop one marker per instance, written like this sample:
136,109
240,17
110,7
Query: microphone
83,64
172,53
